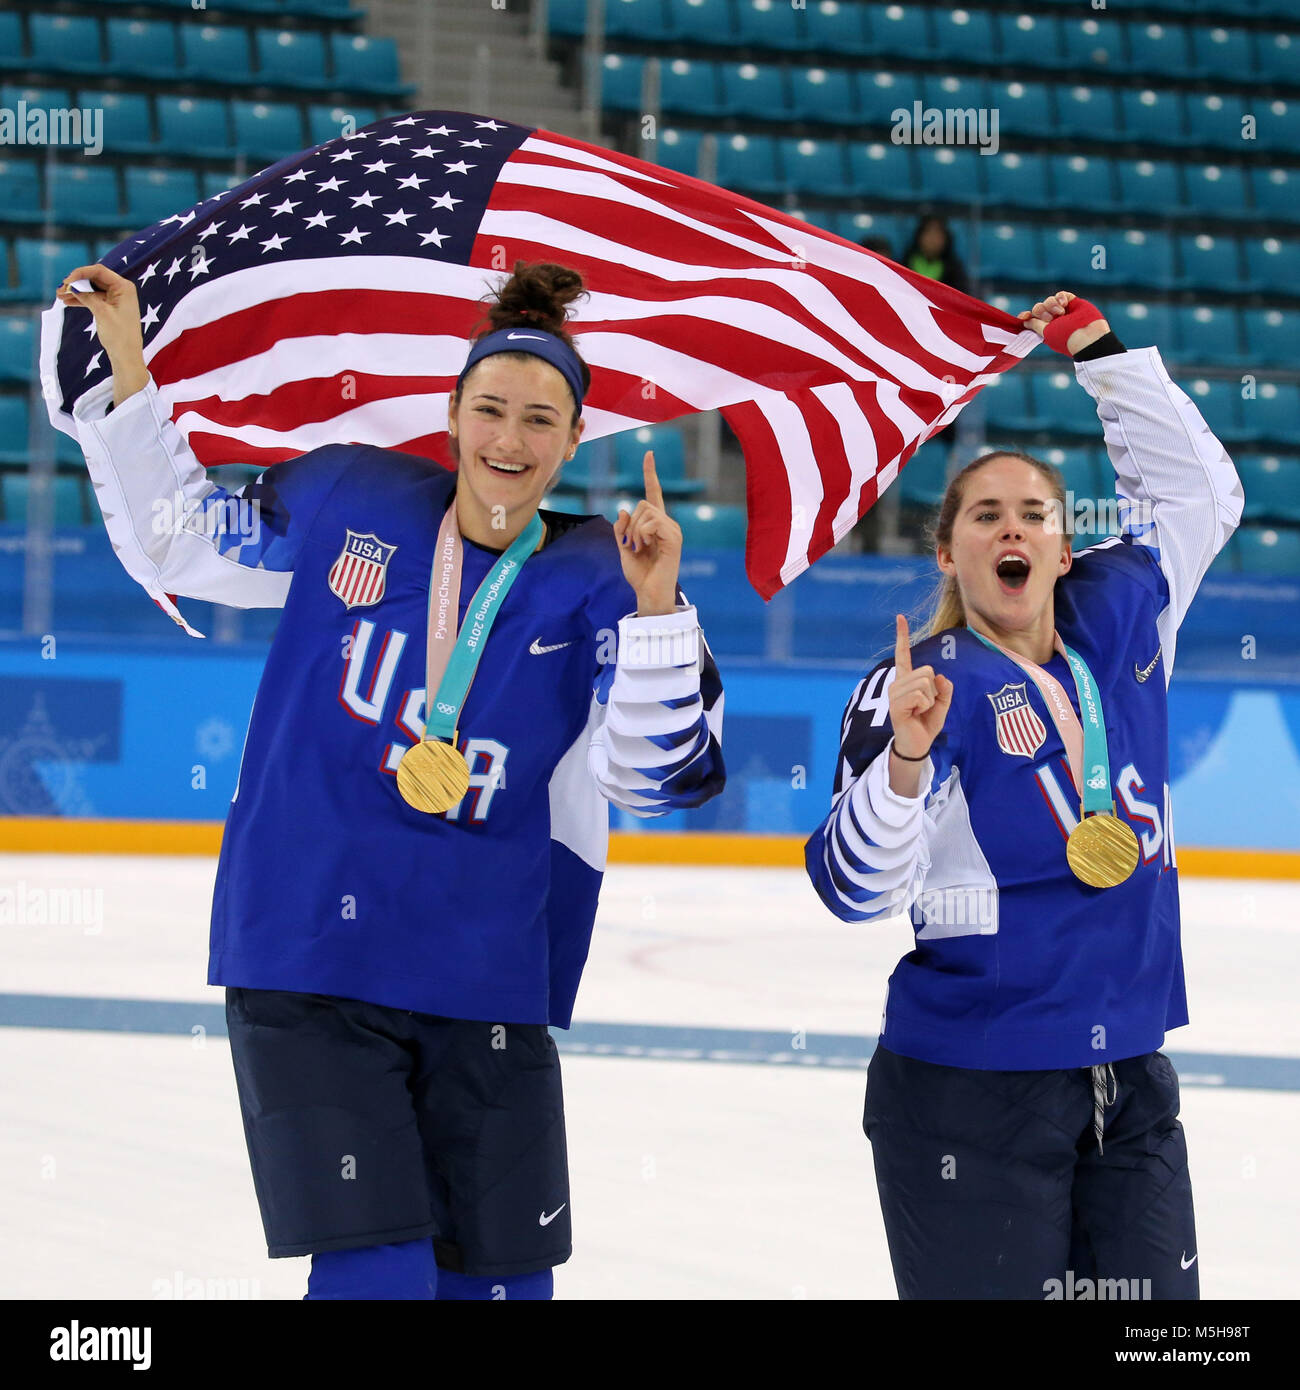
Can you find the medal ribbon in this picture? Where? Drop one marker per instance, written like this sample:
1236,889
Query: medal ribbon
1084,742
452,656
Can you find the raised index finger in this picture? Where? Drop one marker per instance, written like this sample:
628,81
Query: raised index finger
654,494
902,649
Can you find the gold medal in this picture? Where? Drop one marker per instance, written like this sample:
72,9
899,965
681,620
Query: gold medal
1102,850
432,776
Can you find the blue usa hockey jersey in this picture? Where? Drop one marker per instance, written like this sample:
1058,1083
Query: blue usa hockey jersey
1017,964
328,882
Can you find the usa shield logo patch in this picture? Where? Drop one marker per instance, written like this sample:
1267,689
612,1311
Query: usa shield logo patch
1020,731
360,573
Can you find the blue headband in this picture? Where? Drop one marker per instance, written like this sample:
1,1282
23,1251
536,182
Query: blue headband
547,346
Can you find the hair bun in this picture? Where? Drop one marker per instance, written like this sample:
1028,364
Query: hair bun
537,296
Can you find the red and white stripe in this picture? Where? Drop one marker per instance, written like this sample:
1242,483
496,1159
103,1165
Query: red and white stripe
1021,731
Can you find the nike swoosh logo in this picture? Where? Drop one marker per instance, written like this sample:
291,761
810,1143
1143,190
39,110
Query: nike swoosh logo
544,1220
538,650
1187,1264
1145,672
536,337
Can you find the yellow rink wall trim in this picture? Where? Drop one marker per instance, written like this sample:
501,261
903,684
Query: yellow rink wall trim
60,835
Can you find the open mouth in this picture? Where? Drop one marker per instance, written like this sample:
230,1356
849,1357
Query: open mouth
1012,569
508,470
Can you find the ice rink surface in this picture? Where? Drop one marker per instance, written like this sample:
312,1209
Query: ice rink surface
123,1172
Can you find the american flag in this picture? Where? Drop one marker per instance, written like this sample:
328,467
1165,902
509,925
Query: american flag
328,299
1020,731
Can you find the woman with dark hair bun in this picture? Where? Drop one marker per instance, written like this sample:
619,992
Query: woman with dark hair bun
460,681
1005,784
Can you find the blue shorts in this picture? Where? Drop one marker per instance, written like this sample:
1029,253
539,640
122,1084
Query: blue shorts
368,1125
992,1184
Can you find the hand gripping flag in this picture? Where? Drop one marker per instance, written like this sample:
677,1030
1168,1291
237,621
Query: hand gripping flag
329,298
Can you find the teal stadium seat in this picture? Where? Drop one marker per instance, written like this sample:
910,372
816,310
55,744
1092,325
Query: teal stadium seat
1060,407
755,89
152,194
1028,41
1220,404
880,170
1023,108
945,174
700,21
770,24
292,58
1079,253
141,47
881,93
620,83
1018,180
829,95
1095,45
1151,116
128,125
1217,52
951,91
69,496
22,189
961,33
1086,110
194,126
1268,550
319,9
1010,251
679,150
1272,264
749,162
1005,399
1214,119
1276,193
1141,258
875,226
65,43
13,429
17,347
839,26
1138,325
1083,181
1278,124
214,182
902,31
1150,186
569,17
924,477
84,193
1079,470
624,19
366,64
267,129
12,49
711,526
1272,487
1208,261
1203,334
565,503
670,460
690,88
48,98
813,166
1159,50
1274,414
1277,56
216,53
41,266
1216,189
325,123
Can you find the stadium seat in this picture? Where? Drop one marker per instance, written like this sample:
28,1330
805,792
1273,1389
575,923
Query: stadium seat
13,429
48,98
215,182
1018,180
1271,485
1208,261
17,347
950,91
1159,50
65,43
267,130
1095,45
1278,124
1149,185
1217,190
194,126
839,26
1276,192
1148,116
1079,470
1029,41
950,175
924,477
1143,258
875,226
127,124
12,54
318,9
755,89
1274,413
215,53
620,82
690,88
670,460
901,30
1010,251
1059,407
569,17
625,19
69,495
1086,110
770,24
711,526
749,162
1272,264
699,21
1215,119
567,504
1278,56
141,47
1204,334
882,93
961,33
1221,53
84,193
1268,550
22,190
1006,404
1023,107
1081,181
291,58
679,150
366,64
152,194
41,266
1078,253
1138,324
813,166
824,94
878,170
1220,404
325,123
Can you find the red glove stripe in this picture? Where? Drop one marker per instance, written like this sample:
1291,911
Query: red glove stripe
1079,313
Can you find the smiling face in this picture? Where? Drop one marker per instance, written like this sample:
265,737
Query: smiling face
513,430
1007,548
